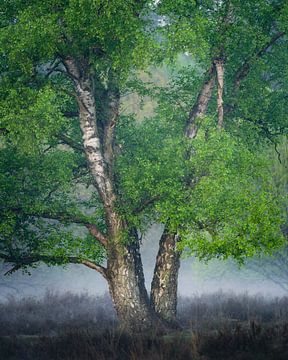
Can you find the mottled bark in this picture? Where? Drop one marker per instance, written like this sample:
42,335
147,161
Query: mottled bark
165,278
164,284
219,65
128,291
92,143
124,271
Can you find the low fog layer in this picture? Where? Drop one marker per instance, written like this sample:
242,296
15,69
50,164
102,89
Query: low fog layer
194,278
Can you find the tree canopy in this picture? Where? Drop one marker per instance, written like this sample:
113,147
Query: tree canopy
220,197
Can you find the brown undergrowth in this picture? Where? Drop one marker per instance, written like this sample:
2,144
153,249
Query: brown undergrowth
216,326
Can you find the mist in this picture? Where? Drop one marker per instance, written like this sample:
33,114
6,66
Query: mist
195,277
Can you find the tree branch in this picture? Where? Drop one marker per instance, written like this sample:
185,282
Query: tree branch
243,71
78,220
64,217
70,142
97,234
71,114
145,203
219,65
29,260
199,108
102,270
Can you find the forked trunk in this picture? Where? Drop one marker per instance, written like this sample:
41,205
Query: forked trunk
128,291
124,271
165,279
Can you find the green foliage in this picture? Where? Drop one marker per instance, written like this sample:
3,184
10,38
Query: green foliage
209,29
107,32
234,211
150,166
216,191
41,177
38,197
220,198
32,116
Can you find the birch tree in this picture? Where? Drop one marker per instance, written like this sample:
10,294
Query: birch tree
64,69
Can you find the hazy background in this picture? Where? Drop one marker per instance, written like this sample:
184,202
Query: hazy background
194,278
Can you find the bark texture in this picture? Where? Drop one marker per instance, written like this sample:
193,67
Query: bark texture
165,279
93,142
219,65
128,291
164,284
124,271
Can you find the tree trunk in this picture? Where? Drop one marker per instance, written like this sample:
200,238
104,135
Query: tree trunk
124,271
127,288
219,65
198,110
165,279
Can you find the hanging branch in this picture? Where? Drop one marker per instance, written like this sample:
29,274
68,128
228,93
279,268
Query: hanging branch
29,260
243,71
65,217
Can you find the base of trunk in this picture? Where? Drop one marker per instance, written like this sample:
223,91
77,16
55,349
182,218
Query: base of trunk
127,288
165,279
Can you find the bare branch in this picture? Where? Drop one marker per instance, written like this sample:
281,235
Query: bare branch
102,270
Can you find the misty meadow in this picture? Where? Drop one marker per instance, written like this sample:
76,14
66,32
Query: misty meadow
118,117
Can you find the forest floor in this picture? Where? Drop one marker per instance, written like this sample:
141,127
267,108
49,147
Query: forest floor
215,326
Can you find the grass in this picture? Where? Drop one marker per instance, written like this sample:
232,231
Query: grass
82,327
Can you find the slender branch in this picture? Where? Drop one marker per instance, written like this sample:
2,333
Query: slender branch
53,68
102,270
74,219
64,217
199,108
145,204
29,260
70,142
78,220
97,234
71,114
243,71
